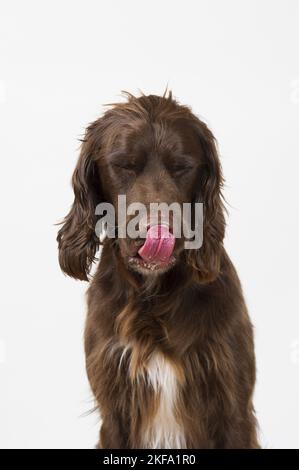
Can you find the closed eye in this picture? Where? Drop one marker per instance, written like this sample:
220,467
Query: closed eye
123,162
181,168
125,166
182,165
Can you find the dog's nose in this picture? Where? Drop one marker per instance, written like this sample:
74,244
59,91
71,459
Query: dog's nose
155,220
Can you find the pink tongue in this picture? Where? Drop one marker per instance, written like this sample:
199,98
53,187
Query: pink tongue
159,244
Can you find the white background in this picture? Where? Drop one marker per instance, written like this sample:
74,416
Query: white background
237,64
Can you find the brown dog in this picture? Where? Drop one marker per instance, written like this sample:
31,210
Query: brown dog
169,346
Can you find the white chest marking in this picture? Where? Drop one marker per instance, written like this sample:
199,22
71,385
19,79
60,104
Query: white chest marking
164,431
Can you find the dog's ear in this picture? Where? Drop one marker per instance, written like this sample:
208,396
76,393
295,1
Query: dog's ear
206,260
77,241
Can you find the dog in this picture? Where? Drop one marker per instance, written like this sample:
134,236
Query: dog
168,341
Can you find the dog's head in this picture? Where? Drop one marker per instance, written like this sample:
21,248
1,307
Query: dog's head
152,150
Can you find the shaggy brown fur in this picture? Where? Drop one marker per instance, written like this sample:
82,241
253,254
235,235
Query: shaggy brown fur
193,314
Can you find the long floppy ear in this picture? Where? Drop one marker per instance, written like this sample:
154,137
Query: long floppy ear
77,241
207,259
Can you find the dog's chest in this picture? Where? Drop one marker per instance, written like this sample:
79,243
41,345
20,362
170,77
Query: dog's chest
162,429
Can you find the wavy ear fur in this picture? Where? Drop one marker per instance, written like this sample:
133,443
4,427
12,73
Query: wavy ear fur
77,241
207,259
